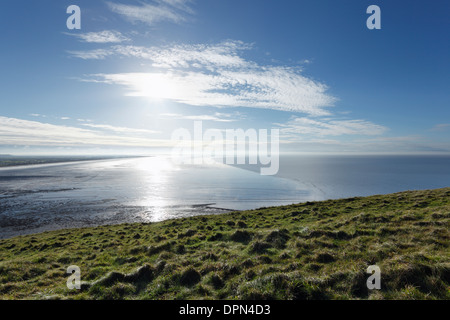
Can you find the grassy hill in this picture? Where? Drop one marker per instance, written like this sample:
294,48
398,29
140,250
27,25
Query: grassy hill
314,250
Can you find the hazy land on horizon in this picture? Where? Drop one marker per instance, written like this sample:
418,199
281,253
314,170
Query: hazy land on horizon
7,160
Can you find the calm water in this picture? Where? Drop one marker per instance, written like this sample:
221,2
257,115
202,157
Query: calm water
332,177
49,197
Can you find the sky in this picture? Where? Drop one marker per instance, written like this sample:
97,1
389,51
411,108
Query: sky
137,71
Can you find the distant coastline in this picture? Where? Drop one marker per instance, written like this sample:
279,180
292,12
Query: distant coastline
16,161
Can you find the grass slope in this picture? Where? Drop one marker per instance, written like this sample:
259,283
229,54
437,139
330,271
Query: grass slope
314,250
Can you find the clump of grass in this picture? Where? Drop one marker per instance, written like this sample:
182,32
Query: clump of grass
230,223
241,236
215,237
241,224
278,238
190,277
155,249
324,257
216,281
259,247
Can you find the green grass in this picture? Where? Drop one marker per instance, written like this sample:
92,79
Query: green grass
314,250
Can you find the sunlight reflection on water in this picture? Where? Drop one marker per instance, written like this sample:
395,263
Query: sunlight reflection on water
129,190
49,197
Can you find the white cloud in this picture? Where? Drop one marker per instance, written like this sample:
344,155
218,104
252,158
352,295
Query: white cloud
151,13
210,57
273,88
216,118
215,75
120,129
97,54
302,126
218,75
107,36
23,132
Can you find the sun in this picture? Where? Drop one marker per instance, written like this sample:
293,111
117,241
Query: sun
158,86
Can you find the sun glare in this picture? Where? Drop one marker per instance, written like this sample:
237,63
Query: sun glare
154,86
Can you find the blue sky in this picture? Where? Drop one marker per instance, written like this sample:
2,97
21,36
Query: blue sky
138,70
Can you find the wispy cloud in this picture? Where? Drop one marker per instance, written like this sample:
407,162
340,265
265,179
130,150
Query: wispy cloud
97,54
215,75
150,13
120,129
441,127
24,132
301,126
210,57
218,117
106,36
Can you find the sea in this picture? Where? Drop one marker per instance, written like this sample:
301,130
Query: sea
44,197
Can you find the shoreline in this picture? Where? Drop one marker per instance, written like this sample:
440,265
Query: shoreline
119,214
59,200
207,210
106,217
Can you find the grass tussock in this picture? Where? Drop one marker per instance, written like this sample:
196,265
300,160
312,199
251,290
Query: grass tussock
314,250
